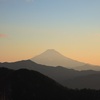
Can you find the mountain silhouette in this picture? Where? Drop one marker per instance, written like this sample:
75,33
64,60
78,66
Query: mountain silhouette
26,84
88,67
59,74
53,58
89,81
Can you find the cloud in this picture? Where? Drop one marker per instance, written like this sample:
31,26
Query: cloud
3,35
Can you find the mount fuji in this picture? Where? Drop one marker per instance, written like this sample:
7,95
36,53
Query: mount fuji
52,57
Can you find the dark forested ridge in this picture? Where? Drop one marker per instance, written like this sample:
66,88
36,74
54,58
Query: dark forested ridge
26,84
66,77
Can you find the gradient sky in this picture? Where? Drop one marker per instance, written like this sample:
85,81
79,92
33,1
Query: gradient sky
29,27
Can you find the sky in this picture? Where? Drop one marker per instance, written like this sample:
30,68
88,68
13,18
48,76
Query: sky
29,27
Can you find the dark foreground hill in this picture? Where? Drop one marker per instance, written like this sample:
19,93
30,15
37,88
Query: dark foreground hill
26,84
64,76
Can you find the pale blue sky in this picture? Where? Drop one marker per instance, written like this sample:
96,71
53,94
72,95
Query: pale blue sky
69,26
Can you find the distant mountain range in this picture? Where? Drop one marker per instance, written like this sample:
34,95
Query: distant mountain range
67,77
53,58
88,67
89,81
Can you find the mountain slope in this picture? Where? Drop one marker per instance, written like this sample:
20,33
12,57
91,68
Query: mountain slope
53,58
59,74
89,81
26,84
88,67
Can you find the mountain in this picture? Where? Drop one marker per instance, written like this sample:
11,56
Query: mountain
53,58
88,67
26,84
89,81
59,74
